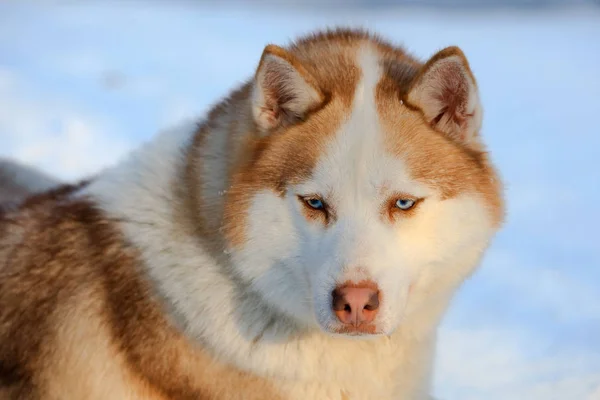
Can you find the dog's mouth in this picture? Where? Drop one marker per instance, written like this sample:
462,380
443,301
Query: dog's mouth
357,330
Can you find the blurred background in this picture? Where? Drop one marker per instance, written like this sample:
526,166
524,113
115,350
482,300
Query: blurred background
82,83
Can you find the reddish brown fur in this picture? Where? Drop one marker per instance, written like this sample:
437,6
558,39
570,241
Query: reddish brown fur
56,249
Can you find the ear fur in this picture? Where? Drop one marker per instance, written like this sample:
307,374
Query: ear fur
284,92
446,92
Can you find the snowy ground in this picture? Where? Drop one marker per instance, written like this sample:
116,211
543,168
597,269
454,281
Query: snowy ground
80,86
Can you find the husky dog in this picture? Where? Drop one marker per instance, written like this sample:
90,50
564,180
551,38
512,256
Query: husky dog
301,242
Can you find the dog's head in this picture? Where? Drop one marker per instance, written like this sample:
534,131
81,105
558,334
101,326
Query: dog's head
365,192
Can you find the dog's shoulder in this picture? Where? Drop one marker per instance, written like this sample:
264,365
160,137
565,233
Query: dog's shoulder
78,316
48,243
30,227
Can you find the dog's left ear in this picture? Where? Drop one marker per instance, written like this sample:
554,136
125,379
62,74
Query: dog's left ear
446,92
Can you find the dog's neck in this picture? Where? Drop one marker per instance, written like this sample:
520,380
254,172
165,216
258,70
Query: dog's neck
169,195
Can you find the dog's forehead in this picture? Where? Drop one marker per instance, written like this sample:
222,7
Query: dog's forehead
358,156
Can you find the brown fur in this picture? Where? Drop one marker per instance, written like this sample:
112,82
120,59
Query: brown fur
78,318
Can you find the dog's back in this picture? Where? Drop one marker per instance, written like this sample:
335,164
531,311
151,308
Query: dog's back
18,181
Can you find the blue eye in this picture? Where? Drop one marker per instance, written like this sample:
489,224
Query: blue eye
317,204
405,204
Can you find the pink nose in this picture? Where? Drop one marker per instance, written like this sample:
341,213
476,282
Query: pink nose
356,304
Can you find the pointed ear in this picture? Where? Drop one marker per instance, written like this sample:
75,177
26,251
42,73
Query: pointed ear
284,92
446,92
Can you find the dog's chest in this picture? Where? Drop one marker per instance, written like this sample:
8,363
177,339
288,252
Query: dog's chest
356,372
338,390
387,368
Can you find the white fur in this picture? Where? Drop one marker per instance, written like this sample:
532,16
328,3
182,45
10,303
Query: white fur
291,265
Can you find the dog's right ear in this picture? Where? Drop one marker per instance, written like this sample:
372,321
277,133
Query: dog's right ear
446,92
284,92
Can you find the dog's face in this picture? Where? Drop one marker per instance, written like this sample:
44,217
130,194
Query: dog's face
354,218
